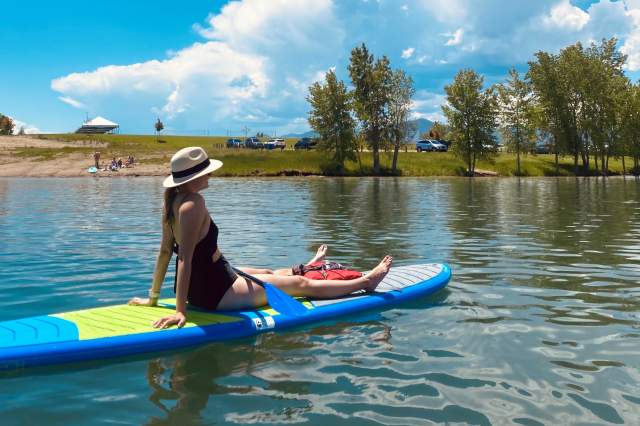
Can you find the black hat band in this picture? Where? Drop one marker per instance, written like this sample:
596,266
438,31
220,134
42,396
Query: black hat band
191,170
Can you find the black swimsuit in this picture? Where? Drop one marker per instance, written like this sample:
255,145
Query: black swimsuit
209,280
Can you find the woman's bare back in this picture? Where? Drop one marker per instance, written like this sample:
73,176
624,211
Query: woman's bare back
175,228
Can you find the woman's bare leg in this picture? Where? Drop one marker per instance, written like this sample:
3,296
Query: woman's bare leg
245,294
254,271
320,255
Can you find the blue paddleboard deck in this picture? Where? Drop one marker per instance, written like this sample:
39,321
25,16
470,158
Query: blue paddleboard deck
120,330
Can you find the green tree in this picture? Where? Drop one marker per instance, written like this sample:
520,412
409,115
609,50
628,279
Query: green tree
551,114
330,116
401,92
6,125
371,81
631,126
471,113
439,131
159,127
516,115
604,101
580,93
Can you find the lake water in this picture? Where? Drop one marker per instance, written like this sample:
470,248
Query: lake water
539,325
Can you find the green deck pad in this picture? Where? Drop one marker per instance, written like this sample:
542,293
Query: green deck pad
120,320
265,310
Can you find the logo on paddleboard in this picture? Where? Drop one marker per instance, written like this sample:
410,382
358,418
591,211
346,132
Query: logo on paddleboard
263,323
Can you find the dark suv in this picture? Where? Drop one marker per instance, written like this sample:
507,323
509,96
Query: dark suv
305,143
253,143
235,143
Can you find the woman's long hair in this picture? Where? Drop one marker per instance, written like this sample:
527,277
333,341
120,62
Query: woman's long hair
169,197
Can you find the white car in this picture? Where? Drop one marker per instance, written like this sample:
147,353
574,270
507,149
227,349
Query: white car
275,143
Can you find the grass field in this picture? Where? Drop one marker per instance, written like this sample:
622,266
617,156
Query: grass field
246,162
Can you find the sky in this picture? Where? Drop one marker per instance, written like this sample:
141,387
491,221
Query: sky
222,67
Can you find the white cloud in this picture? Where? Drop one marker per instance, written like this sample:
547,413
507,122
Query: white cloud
428,105
72,102
29,129
407,53
631,46
456,37
209,76
257,64
566,16
447,11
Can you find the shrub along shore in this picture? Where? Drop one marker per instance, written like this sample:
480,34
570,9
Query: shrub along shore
152,158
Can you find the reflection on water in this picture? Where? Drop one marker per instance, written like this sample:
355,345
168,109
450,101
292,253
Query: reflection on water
540,324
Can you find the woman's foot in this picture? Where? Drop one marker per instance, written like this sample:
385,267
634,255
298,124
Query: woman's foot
320,254
377,274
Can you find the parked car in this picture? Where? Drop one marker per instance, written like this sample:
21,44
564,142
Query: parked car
305,143
445,143
542,148
490,147
425,145
235,143
275,144
439,146
253,143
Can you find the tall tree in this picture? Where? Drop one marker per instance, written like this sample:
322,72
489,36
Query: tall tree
471,113
371,81
439,131
516,115
401,92
550,108
603,100
330,116
159,127
631,126
6,125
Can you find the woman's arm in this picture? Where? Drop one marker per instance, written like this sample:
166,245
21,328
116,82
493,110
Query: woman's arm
190,216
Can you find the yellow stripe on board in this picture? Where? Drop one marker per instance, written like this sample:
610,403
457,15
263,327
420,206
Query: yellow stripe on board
120,320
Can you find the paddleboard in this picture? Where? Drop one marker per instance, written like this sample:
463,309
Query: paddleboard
92,170
120,330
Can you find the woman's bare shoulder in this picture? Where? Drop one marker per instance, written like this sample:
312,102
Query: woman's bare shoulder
191,203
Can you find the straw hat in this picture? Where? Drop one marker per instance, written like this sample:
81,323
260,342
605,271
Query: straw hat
188,164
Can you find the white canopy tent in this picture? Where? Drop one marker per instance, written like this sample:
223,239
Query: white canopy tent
99,125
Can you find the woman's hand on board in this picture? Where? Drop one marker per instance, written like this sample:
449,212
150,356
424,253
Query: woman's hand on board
139,301
178,318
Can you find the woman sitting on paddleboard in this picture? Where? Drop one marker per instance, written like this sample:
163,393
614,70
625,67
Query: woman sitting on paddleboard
204,277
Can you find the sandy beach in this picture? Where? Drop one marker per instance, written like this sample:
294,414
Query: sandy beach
62,164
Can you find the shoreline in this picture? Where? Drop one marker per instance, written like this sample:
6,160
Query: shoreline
45,156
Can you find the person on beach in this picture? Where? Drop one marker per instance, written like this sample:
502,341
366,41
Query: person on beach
96,159
204,278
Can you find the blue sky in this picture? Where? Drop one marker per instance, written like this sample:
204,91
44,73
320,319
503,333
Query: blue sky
214,66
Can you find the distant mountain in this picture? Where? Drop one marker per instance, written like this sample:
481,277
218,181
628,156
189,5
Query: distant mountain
422,125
